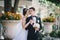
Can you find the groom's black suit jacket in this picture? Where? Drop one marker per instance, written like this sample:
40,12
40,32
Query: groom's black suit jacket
32,35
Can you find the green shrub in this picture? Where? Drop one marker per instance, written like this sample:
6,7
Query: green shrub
53,34
59,33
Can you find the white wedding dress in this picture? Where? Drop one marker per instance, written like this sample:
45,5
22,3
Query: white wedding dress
22,35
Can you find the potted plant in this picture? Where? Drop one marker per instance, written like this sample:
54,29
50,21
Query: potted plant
11,23
48,22
10,20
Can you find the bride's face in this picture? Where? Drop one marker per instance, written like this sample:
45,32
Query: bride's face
27,13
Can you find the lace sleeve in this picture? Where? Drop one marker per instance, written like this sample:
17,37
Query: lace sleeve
23,20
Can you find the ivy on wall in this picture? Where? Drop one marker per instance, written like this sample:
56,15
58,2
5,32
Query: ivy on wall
50,2
57,2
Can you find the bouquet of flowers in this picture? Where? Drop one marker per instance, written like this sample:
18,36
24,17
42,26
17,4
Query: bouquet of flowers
36,25
10,16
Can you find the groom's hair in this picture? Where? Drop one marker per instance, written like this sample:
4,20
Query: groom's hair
32,8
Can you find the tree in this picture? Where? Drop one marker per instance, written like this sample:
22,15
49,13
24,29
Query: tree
7,5
15,6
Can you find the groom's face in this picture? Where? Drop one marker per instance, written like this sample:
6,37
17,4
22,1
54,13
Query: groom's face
32,12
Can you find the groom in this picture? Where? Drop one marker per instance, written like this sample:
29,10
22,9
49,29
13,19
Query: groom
32,35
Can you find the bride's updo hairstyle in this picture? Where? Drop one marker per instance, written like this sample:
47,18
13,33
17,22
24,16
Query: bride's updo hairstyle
24,11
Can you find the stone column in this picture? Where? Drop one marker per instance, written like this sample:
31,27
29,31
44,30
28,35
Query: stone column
1,9
35,5
15,6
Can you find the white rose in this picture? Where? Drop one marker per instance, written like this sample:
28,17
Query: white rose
36,25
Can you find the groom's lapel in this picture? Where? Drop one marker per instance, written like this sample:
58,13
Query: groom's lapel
37,20
28,19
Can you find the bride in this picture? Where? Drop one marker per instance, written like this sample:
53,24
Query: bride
22,35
